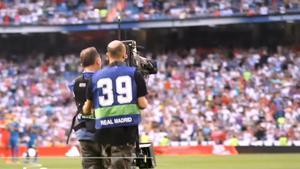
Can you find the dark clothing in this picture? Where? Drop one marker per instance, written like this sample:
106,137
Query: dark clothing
122,156
122,135
117,141
89,148
118,135
90,151
141,84
128,134
83,133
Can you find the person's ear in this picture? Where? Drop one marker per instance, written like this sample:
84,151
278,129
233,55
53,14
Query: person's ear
98,61
125,53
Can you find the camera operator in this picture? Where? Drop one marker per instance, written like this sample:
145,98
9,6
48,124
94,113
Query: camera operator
85,125
117,95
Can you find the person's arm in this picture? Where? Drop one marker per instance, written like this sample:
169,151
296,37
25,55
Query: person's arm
142,102
88,104
87,107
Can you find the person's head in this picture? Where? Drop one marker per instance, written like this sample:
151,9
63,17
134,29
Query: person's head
116,51
90,59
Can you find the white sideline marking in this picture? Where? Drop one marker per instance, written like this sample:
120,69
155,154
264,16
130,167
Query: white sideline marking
30,166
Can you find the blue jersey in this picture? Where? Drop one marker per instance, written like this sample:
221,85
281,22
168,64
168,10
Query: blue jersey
83,134
114,92
14,134
33,135
14,131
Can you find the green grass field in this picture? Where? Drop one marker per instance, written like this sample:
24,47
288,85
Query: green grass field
261,161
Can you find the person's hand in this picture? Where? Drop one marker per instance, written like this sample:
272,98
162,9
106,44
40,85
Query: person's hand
87,108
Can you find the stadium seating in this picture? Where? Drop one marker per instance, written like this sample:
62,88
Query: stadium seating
252,96
15,12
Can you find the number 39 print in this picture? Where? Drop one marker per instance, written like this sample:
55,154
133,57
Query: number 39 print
123,90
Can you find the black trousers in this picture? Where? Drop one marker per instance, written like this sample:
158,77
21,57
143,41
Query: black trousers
111,156
119,156
92,153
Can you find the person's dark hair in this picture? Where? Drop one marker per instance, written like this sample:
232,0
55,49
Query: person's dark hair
88,56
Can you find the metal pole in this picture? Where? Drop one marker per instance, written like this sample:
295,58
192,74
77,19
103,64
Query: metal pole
119,26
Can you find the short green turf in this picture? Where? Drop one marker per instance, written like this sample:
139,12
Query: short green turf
259,161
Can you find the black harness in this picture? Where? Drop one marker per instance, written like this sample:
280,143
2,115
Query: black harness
81,86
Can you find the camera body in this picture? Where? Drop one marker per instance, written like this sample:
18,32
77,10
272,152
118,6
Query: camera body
145,158
144,65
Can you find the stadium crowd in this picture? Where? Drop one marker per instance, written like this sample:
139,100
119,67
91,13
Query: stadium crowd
34,92
247,95
198,95
16,12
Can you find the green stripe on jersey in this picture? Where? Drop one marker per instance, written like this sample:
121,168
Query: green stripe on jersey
116,110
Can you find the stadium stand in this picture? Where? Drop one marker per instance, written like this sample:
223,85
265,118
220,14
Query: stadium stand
206,96
38,12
